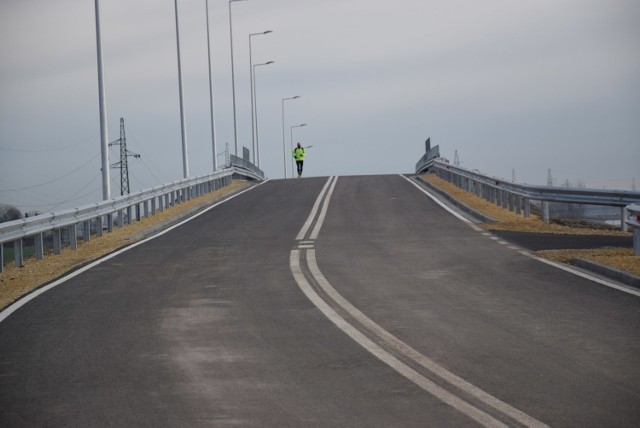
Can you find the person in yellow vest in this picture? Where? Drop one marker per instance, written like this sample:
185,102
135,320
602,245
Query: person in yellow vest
298,154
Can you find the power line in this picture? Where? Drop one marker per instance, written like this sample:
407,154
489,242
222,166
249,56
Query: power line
72,198
50,149
54,180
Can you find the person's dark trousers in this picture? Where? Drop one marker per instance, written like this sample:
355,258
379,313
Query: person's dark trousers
299,165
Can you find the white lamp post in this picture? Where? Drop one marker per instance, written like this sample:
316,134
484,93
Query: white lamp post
183,129
233,80
253,108
104,138
213,126
284,146
256,104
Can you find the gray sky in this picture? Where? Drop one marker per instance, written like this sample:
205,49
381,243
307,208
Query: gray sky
530,86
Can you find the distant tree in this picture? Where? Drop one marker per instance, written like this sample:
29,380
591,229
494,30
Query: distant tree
8,213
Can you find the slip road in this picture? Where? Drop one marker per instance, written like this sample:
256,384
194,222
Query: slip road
341,301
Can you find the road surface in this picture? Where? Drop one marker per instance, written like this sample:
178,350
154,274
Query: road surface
349,301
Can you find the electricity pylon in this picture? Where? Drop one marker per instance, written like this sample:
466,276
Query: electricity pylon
123,164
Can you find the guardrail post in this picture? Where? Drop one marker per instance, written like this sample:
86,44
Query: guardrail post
86,231
545,211
518,204
145,205
57,242
120,222
99,226
623,222
1,257
527,208
73,237
129,215
39,244
18,255
153,206
636,241
110,222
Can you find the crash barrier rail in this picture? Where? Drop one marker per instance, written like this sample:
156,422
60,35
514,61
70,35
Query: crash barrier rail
106,214
424,164
634,222
428,159
238,162
518,197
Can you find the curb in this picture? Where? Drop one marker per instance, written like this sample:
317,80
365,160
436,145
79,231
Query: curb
464,207
609,272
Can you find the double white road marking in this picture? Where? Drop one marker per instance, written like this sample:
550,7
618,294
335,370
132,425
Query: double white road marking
450,389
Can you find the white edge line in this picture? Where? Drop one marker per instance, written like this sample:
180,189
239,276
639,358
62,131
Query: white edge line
323,213
549,262
375,349
443,205
585,275
26,299
307,224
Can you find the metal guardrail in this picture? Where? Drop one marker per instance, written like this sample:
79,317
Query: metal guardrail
428,159
634,221
238,162
518,197
116,212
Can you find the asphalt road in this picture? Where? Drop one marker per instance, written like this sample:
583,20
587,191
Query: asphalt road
551,241
372,307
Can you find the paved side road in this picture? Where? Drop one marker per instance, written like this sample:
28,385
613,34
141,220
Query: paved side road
394,314
550,241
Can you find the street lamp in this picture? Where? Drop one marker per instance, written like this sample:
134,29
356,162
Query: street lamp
253,108
257,154
233,80
213,126
102,102
291,142
183,129
284,146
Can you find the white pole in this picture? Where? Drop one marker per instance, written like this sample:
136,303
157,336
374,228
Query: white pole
213,126
185,158
104,137
233,81
284,144
255,101
284,149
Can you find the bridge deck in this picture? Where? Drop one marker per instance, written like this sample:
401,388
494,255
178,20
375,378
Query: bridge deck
397,314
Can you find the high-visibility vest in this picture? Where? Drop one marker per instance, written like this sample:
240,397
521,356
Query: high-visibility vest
299,153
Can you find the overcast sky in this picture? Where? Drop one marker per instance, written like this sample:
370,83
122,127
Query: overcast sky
511,85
